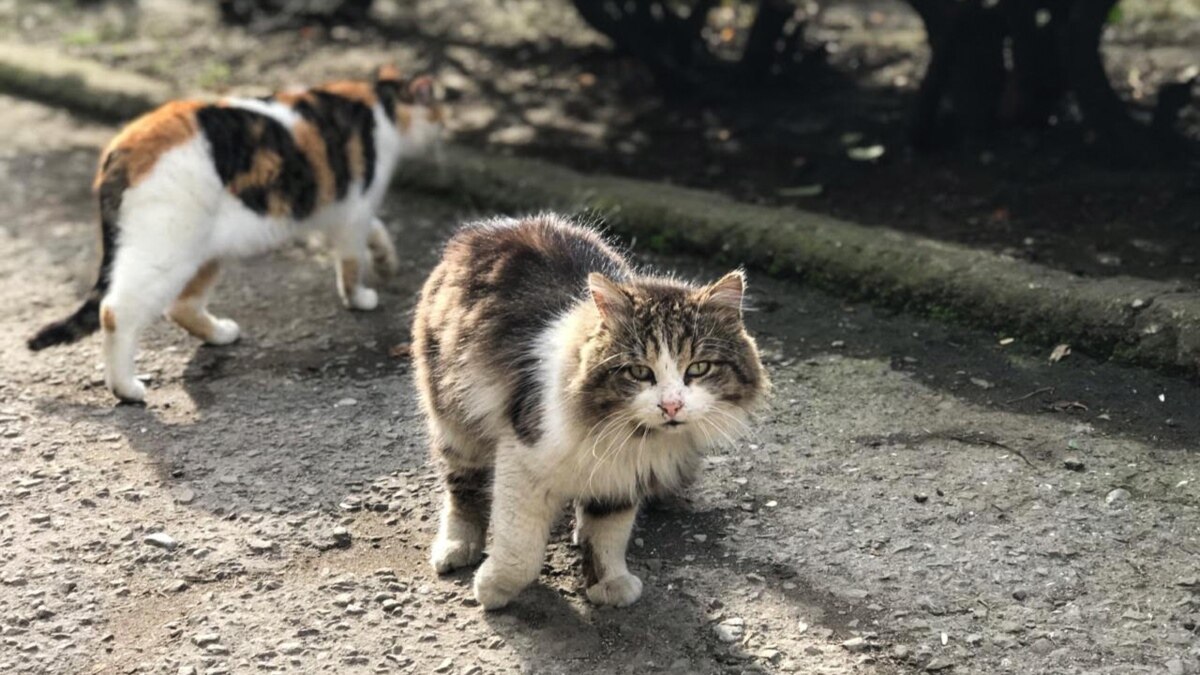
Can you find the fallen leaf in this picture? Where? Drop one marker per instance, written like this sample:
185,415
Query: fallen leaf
802,191
1060,352
865,153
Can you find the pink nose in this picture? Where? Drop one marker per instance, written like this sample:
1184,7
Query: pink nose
671,408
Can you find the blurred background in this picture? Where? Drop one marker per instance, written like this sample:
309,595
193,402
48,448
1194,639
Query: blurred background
1059,131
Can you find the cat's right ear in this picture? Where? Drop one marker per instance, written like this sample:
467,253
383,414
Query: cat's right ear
610,300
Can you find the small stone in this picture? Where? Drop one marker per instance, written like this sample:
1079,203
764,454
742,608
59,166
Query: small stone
1019,595
981,383
1011,627
342,403
1041,646
1118,498
184,494
290,648
1176,667
355,609
921,497
186,670
1073,464
973,639
40,519
205,639
856,645
700,538
937,664
176,586
259,545
901,652
730,630
161,540
444,666
343,599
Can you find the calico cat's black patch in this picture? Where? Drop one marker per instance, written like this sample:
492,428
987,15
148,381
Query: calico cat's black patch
339,119
237,136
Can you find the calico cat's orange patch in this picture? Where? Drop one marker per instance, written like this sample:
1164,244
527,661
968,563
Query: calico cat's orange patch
264,169
355,91
107,319
310,142
200,283
149,136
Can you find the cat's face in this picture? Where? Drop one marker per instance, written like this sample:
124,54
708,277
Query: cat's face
671,359
417,108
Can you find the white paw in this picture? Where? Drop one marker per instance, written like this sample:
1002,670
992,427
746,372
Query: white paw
451,554
129,392
364,299
619,591
225,331
493,590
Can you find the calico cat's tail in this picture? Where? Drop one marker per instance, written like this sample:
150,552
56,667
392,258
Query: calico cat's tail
110,186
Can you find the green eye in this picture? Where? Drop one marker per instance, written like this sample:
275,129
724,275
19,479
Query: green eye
641,373
699,369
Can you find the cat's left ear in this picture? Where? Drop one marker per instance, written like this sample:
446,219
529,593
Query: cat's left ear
728,292
423,90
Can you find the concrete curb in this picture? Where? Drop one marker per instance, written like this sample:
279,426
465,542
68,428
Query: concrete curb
1136,320
1147,322
83,86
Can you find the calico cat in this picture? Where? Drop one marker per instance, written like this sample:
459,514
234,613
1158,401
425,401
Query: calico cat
190,183
551,370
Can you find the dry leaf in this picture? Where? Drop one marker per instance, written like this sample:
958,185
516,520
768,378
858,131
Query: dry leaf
1060,352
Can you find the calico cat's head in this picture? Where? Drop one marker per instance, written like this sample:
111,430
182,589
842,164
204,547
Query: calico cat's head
671,358
414,104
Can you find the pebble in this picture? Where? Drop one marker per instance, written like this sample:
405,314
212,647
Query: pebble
186,670
856,645
700,538
730,630
1073,464
1042,646
444,666
921,497
1176,667
937,664
184,495
1011,627
1019,595
345,402
161,540
259,545
290,648
176,586
1117,498
203,639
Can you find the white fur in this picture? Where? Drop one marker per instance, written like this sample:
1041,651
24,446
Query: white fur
180,216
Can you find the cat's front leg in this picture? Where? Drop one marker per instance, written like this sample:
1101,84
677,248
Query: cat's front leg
602,532
350,247
522,512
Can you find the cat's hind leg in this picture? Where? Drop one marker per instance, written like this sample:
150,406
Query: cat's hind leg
190,309
143,285
466,502
602,532
383,252
350,247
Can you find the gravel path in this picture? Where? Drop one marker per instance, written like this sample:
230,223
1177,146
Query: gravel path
920,497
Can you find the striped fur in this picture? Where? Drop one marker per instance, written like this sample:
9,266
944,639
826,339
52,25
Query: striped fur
550,368
190,183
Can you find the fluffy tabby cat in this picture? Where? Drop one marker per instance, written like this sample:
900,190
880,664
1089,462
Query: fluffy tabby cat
191,183
552,372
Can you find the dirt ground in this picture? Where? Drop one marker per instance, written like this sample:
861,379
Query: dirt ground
918,498
534,80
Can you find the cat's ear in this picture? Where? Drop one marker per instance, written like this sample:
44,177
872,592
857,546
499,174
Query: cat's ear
388,73
728,292
610,300
423,90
